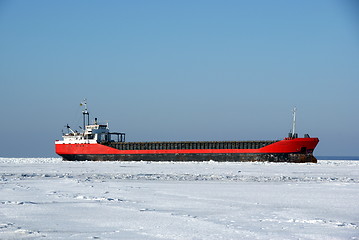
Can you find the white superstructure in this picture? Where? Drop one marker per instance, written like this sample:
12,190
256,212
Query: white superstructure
91,133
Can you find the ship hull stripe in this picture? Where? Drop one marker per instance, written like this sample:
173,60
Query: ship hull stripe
231,157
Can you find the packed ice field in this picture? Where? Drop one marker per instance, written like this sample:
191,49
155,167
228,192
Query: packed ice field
47,198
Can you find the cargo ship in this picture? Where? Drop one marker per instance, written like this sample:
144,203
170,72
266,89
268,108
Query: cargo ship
95,142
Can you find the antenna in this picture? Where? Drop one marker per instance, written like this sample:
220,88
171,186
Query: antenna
69,129
293,128
84,113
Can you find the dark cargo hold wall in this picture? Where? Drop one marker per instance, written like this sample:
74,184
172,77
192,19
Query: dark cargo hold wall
188,145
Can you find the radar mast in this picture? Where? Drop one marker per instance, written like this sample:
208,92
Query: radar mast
294,135
84,113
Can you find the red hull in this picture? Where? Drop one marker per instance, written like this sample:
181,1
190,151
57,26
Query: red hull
297,145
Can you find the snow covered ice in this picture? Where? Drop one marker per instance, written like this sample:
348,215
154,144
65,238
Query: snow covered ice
51,199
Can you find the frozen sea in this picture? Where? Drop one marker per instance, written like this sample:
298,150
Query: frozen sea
46,198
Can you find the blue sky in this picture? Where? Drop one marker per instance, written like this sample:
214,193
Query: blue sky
179,70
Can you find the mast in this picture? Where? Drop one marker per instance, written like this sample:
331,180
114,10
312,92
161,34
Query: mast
84,113
294,121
